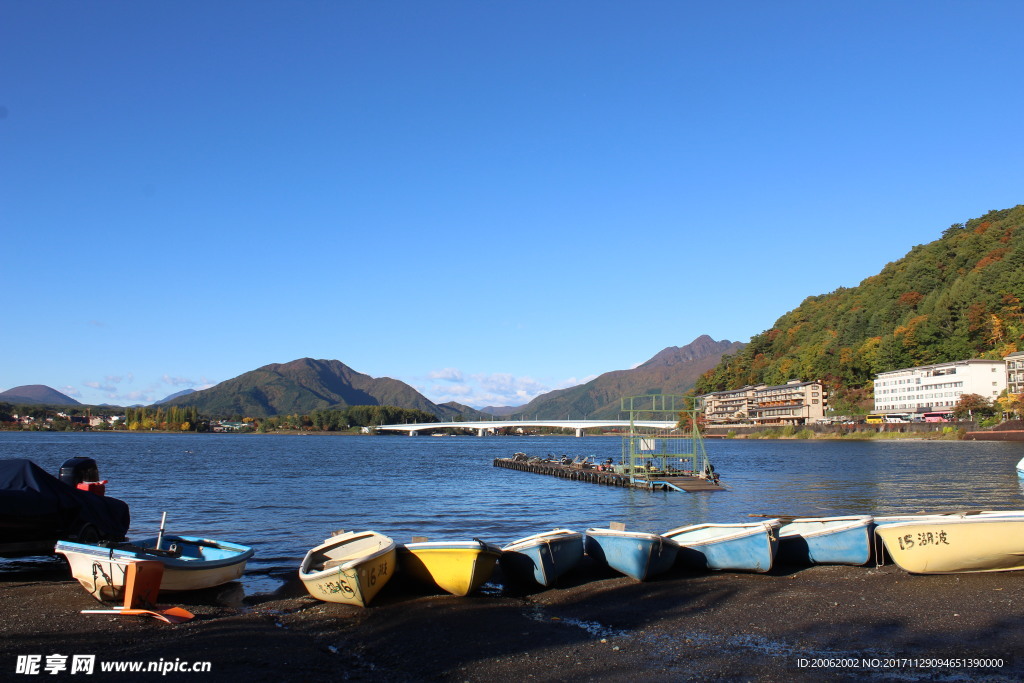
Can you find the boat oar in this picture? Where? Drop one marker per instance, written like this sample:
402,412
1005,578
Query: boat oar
160,536
785,519
172,615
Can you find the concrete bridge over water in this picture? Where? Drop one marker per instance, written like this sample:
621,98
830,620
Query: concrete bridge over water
483,427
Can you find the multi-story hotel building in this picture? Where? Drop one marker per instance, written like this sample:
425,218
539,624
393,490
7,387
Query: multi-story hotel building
938,388
1015,372
792,403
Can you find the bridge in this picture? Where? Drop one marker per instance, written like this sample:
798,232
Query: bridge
483,427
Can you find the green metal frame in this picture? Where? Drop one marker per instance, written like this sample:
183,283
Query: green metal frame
680,449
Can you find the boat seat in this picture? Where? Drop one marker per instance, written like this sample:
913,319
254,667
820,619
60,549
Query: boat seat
351,551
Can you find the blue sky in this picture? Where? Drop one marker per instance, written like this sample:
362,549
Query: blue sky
487,200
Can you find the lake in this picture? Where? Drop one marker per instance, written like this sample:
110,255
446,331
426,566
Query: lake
284,494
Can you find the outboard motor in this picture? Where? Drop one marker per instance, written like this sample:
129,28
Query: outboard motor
82,473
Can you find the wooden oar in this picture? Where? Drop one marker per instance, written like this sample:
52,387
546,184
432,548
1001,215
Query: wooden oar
160,536
172,615
785,519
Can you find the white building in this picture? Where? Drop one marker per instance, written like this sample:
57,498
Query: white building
1015,372
938,388
793,403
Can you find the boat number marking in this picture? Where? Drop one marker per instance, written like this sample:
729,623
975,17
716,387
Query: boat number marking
339,586
378,572
922,539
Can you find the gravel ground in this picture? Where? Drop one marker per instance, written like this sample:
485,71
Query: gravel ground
792,624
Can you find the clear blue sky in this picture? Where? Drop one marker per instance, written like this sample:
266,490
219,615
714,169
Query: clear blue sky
486,200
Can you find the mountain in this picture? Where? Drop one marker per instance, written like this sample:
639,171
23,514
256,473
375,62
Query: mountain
304,385
36,394
167,399
673,370
500,411
956,298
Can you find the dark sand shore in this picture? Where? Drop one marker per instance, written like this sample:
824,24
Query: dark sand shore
687,626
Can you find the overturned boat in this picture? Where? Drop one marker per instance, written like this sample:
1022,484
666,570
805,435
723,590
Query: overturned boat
542,558
458,567
988,541
826,540
636,554
747,546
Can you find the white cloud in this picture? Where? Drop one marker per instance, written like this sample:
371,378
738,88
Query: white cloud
447,375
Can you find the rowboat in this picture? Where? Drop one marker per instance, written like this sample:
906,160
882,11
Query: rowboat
190,563
458,567
826,540
349,568
543,557
740,547
988,541
636,554
1020,467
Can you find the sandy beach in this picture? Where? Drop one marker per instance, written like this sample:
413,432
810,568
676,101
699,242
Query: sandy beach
792,624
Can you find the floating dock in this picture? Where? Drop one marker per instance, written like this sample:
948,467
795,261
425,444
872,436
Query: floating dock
682,482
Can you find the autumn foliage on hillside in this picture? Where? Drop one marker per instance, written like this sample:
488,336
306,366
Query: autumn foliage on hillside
956,298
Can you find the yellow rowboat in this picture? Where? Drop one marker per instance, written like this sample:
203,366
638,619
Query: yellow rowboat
349,568
951,544
458,567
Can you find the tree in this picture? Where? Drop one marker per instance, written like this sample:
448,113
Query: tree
972,405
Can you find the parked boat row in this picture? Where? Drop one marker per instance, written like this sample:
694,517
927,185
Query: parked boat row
981,541
352,567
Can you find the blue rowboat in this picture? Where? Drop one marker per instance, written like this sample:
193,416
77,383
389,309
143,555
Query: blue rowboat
542,558
190,563
636,554
826,540
747,547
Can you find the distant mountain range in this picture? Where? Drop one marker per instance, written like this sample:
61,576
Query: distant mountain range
36,394
305,385
673,370
168,399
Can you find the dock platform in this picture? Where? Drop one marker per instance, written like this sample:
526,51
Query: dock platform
686,483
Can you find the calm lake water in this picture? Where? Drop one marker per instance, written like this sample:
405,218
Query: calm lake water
284,494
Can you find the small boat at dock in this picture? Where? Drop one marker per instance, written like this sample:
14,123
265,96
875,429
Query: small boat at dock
747,546
542,558
458,567
349,568
636,554
826,540
987,541
190,563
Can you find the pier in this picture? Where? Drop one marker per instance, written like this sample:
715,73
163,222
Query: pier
650,481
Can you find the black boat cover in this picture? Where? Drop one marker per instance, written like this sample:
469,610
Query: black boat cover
35,503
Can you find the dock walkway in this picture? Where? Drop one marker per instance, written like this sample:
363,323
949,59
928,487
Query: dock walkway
685,483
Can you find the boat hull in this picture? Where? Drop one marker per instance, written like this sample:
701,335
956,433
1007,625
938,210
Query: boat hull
638,555
457,567
201,563
826,540
728,547
953,544
542,558
362,572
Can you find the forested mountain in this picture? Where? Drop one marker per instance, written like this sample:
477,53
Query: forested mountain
305,385
36,394
672,371
956,298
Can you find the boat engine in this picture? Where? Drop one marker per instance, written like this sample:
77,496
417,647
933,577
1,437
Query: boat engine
82,473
